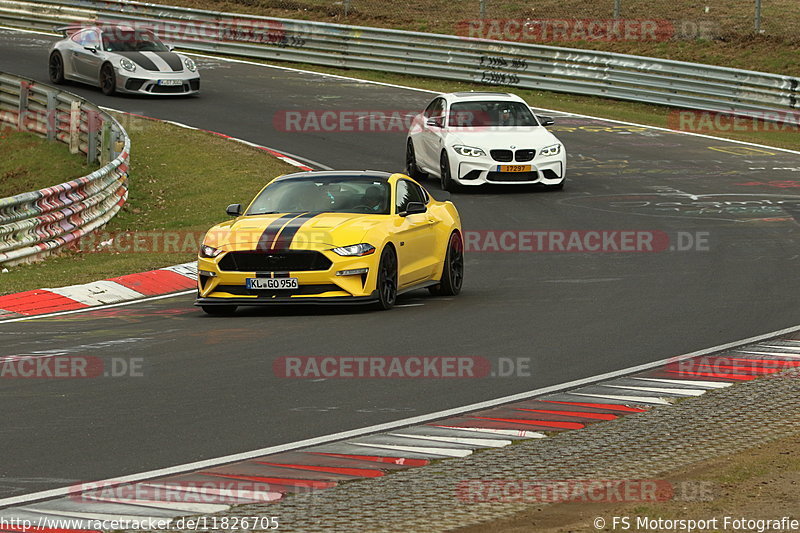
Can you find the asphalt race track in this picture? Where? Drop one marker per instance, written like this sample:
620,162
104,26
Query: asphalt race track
209,389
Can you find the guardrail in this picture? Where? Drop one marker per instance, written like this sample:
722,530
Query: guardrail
530,66
32,224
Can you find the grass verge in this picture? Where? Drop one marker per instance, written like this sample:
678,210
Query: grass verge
180,181
29,163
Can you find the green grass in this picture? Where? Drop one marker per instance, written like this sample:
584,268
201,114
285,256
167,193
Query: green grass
171,190
726,36
29,163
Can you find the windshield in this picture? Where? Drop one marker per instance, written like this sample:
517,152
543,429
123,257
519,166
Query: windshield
132,41
490,113
336,194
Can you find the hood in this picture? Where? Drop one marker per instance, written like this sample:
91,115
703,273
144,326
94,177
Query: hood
520,137
309,231
155,61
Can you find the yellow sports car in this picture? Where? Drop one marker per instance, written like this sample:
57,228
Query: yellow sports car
331,237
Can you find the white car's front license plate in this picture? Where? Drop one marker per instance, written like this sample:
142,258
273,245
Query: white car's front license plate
513,168
271,283
170,82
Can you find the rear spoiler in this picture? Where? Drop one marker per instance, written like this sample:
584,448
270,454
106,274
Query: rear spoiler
67,31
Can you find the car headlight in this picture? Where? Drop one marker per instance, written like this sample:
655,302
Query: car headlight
189,64
469,151
127,64
355,250
209,252
551,150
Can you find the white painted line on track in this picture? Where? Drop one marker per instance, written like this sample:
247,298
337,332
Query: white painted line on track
421,419
690,382
632,399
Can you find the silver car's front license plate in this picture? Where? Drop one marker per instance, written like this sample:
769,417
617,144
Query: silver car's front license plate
170,82
271,283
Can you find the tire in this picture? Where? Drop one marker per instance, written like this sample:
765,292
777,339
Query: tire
453,270
219,310
444,172
108,80
56,68
387,279
412,169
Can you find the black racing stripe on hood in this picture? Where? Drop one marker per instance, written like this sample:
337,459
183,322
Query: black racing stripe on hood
172,59
140,59
284,240
272,230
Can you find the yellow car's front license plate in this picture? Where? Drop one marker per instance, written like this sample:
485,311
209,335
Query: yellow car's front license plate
514,168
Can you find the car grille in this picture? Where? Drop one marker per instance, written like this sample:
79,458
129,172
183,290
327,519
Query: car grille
506,156
512,176
305,290
550,174
134,84
194,84
525,155
502,155
291,261
168,89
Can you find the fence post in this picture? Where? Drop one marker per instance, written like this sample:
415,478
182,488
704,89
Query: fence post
106,144
22,110
758,16
52,116
91,127
617,8
483,9
74,127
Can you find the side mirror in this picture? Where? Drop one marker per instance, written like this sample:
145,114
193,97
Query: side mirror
436,122
234,210
171,47
414,208
545,121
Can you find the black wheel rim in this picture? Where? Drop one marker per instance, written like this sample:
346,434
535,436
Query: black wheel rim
55,67
411,164
107,79
456,261
445,172
388,279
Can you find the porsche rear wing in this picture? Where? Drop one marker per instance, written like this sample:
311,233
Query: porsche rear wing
70,30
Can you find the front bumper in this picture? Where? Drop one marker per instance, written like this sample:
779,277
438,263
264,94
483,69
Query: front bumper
226,287
481,171
146,82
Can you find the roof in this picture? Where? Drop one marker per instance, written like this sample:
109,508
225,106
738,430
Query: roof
365,174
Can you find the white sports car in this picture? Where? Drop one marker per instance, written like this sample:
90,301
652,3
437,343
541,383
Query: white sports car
474,138
121,59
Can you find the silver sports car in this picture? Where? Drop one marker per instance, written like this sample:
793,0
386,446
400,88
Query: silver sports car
121,59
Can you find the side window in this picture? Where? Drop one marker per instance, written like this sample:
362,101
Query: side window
435,109
92,39
407,192
79,37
